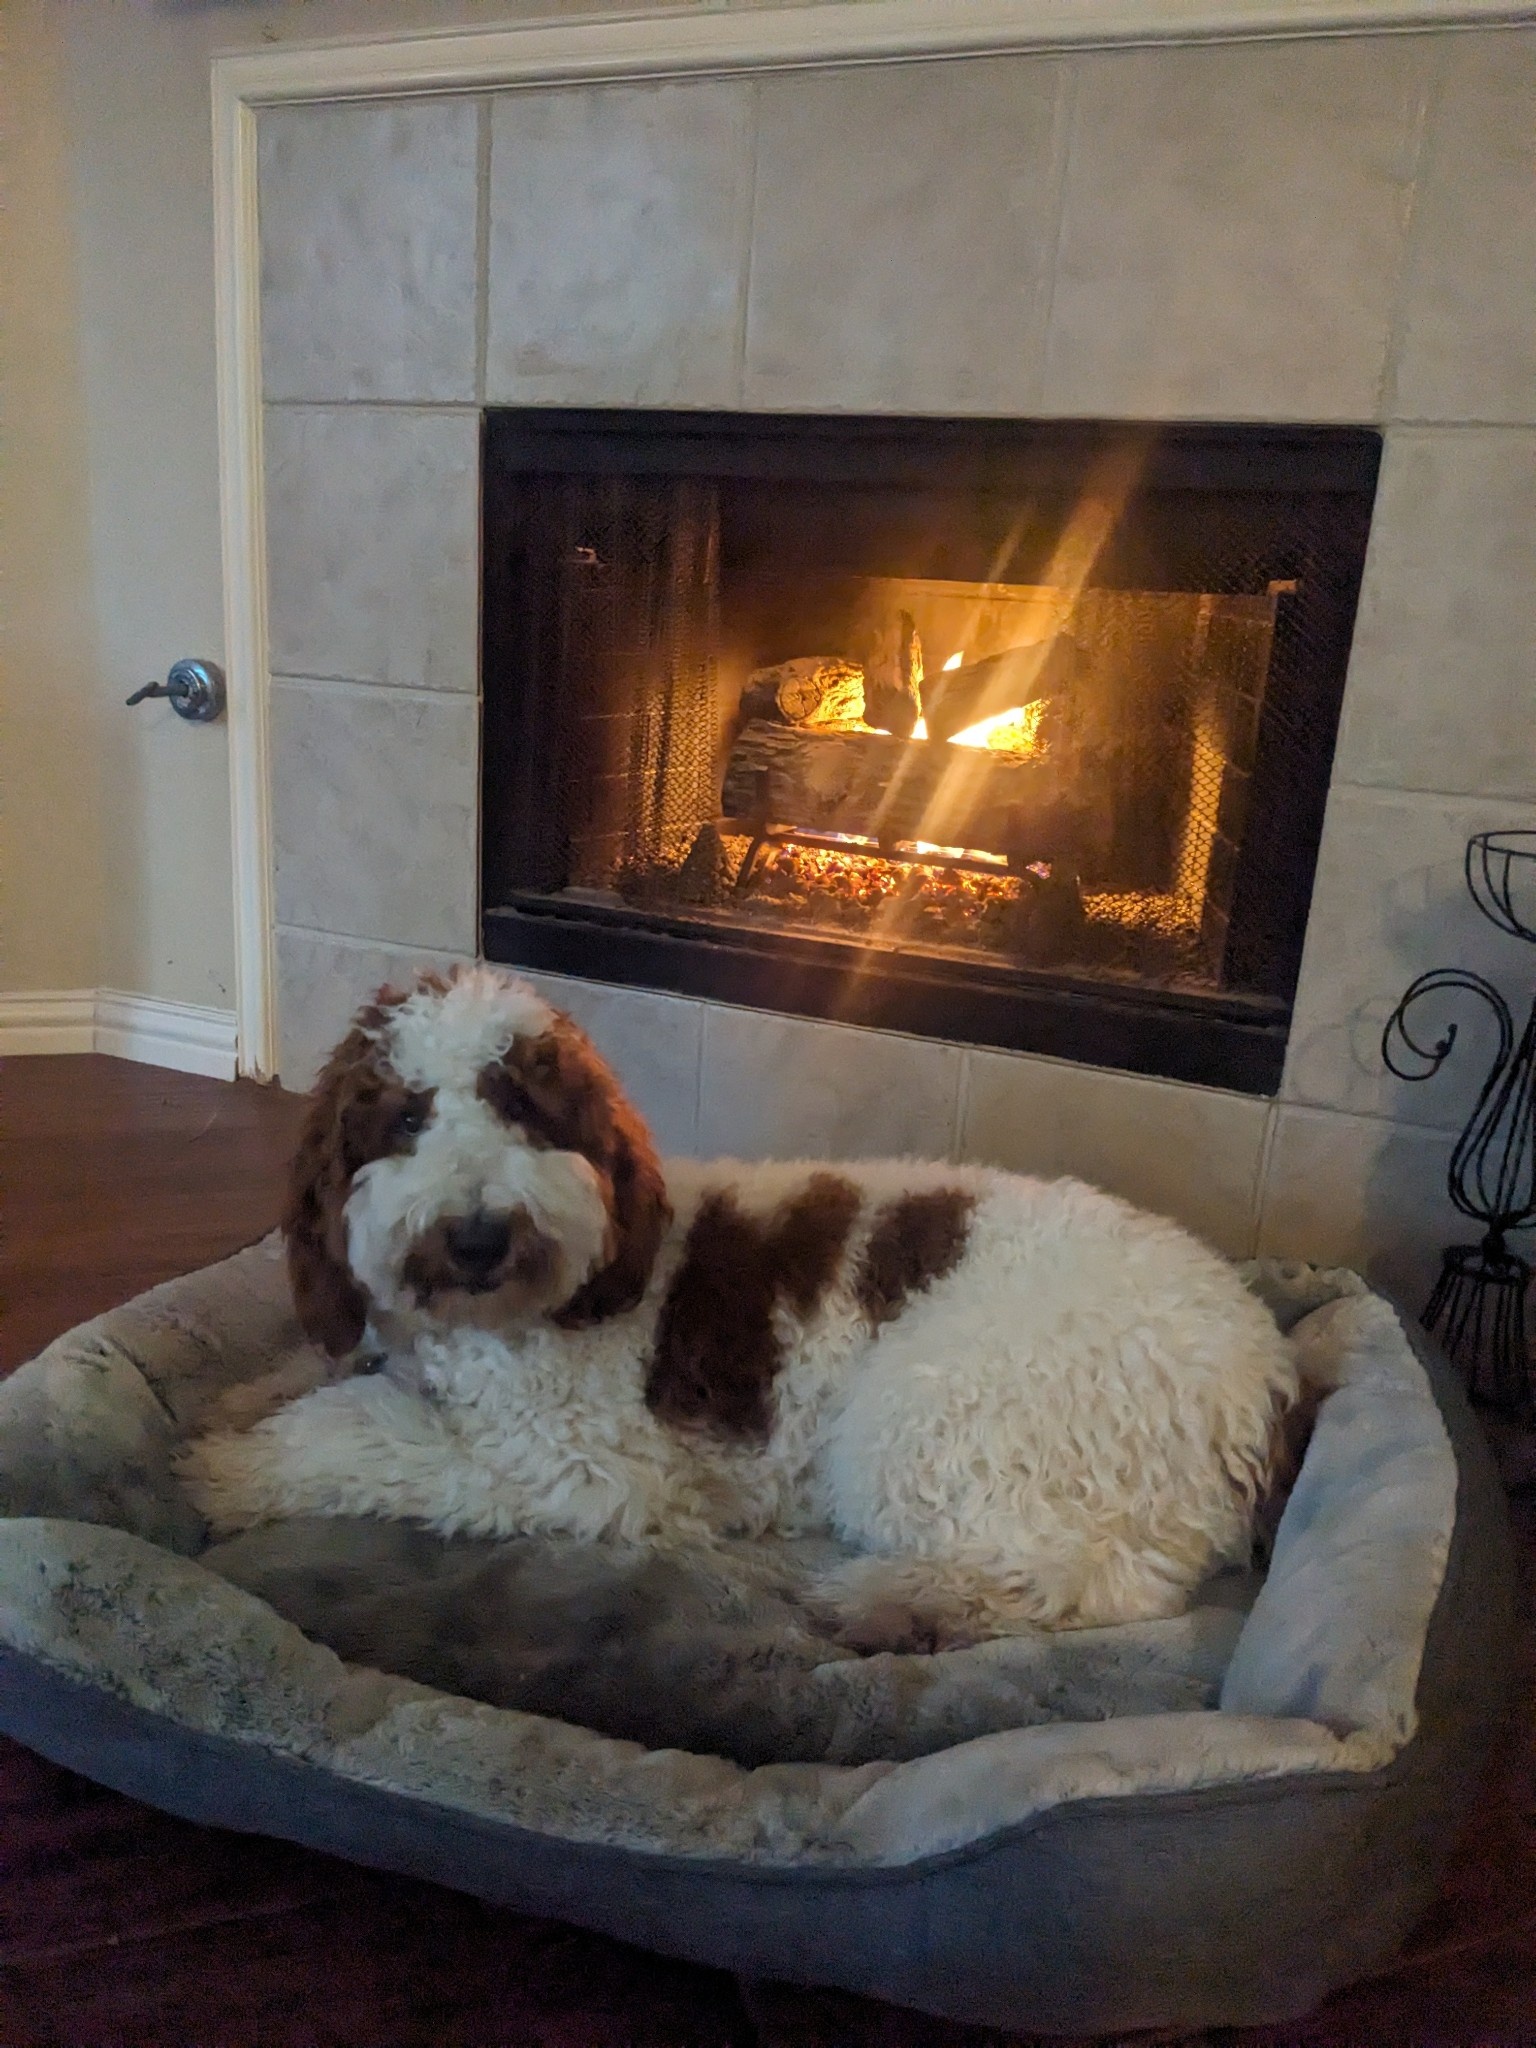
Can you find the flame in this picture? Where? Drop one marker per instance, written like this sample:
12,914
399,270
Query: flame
991,860
1007,732
920,730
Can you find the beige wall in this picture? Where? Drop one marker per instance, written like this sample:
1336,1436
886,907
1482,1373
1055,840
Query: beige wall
114,825
50,843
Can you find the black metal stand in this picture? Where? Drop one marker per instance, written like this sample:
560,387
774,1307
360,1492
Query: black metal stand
1479,1304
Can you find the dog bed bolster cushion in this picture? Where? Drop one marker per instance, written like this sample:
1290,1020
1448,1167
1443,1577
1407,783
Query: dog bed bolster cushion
1242,1810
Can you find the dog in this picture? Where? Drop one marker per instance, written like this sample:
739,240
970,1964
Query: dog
1022,1404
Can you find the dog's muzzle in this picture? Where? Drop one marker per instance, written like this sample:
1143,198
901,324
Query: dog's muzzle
482,1253
478,1244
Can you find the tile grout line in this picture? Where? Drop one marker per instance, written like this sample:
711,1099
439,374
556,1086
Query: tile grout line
465,408
744,297
482,243
1426,114
411,691
1260,1199
1428,423
360,942
1063,142
1455,796
962,1105
483,144
705,1009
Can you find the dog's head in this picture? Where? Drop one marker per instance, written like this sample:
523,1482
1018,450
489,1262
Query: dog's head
468,1158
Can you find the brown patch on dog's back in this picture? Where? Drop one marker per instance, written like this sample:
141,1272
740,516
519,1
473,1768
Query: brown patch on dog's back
807,1238
916,1240
717,1351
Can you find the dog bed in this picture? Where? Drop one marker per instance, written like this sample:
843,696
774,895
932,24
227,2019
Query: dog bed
1208,1821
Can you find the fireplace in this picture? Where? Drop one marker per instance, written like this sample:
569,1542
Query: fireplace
1007,732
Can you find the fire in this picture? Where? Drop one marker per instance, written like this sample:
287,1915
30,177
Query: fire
1007,732
920,730
973,853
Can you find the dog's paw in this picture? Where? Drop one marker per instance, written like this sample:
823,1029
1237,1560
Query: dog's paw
888,1627
877,1605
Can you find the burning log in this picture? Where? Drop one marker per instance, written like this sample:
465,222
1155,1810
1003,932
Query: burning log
959,697
890,789
816,689
893,678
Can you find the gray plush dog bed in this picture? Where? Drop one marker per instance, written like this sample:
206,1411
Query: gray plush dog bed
1203,1821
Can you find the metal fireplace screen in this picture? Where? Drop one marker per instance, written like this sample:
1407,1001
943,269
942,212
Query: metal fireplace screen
1010,733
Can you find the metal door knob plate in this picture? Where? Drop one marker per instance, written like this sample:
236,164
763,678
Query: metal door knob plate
195,689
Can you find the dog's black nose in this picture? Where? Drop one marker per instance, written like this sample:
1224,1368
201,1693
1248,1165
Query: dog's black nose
479,1242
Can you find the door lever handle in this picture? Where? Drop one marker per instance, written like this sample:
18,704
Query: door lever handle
195,688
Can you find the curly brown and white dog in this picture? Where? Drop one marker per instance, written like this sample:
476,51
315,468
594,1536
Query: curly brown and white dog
1023,1403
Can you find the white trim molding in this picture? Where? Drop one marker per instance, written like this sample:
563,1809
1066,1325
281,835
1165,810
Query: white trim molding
242,523
687,41
183,1036
673,42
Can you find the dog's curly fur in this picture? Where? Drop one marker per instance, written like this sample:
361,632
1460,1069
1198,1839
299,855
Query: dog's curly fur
1025,1403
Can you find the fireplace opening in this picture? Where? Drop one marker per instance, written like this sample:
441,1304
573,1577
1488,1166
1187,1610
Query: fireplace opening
1004,732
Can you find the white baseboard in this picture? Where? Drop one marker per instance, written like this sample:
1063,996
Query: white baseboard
185,1036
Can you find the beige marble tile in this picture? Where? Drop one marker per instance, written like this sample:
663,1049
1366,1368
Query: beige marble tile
1390,902
1442,675
1468,330
776,1087
368,249
1361,1192
652,1041
1232,229
373,549
321,982
619,224
902,239
1190,1153
375,794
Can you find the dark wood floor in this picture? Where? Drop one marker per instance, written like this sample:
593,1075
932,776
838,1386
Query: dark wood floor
119,1925
114,1176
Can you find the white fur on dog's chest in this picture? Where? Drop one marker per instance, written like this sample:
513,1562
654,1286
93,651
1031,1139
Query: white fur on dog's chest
554,1429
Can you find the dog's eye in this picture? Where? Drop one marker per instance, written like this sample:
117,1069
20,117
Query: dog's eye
411,1121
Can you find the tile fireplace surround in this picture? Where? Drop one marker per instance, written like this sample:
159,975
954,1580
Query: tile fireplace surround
1329,230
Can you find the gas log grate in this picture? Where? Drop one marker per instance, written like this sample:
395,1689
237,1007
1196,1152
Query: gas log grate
1004,732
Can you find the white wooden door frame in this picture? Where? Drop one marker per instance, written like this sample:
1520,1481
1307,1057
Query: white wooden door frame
674,43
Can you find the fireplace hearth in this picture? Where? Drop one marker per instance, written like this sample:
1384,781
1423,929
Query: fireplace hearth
1011,733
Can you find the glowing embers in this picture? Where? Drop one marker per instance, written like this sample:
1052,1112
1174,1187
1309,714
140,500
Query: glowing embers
954,901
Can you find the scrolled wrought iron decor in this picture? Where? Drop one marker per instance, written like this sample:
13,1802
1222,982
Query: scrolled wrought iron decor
1478,1307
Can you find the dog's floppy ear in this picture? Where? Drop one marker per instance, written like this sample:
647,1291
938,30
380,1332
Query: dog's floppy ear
332,1307
608,1128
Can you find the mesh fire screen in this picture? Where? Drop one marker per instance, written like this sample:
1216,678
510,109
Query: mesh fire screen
1011,733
